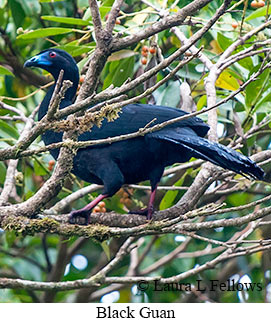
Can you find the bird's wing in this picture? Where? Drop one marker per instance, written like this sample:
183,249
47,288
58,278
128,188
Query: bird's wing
211,151
136,116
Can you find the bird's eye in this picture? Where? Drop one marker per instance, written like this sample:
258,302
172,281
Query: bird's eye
52,54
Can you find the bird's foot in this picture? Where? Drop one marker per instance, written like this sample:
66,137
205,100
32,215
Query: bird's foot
148,212
143,212
80,217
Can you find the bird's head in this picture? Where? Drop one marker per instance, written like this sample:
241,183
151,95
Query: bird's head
55,60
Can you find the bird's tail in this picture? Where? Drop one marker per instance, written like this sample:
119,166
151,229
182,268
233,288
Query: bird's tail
218,155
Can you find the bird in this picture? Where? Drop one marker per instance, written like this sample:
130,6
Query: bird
136,159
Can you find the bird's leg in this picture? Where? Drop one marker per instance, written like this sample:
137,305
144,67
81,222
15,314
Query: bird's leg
150,209
85,211
150,204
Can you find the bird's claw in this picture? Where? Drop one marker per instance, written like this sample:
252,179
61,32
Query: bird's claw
148,212
77,216
143,212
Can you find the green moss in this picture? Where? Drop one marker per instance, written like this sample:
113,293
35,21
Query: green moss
45,225
26,226
86,122
156,226
95,231
30,227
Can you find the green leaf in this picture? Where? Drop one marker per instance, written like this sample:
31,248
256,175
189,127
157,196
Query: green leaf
223,41
17,11
264,103
6,131
31,7
254,89
65,20
170,196
3,3
246,63
141,16
263,107
170,96
106,249
227,81
202,102
108,2
10,237
82,4
261,12
5,71
49,0
45,32
2,172
103,11
224,120
76,50
39,169
119,71
124,53
168,200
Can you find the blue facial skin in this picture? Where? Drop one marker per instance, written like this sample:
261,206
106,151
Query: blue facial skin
38,60
53,60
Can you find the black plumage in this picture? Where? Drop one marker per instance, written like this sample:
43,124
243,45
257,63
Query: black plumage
141,158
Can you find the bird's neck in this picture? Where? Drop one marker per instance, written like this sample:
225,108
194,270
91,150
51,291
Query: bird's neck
73,76
69,95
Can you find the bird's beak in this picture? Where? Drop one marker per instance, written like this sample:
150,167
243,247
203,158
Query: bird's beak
38,61
32,61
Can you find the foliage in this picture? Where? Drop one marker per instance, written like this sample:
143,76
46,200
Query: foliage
27,27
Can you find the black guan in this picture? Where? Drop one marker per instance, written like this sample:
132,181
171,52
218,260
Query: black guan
138,159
